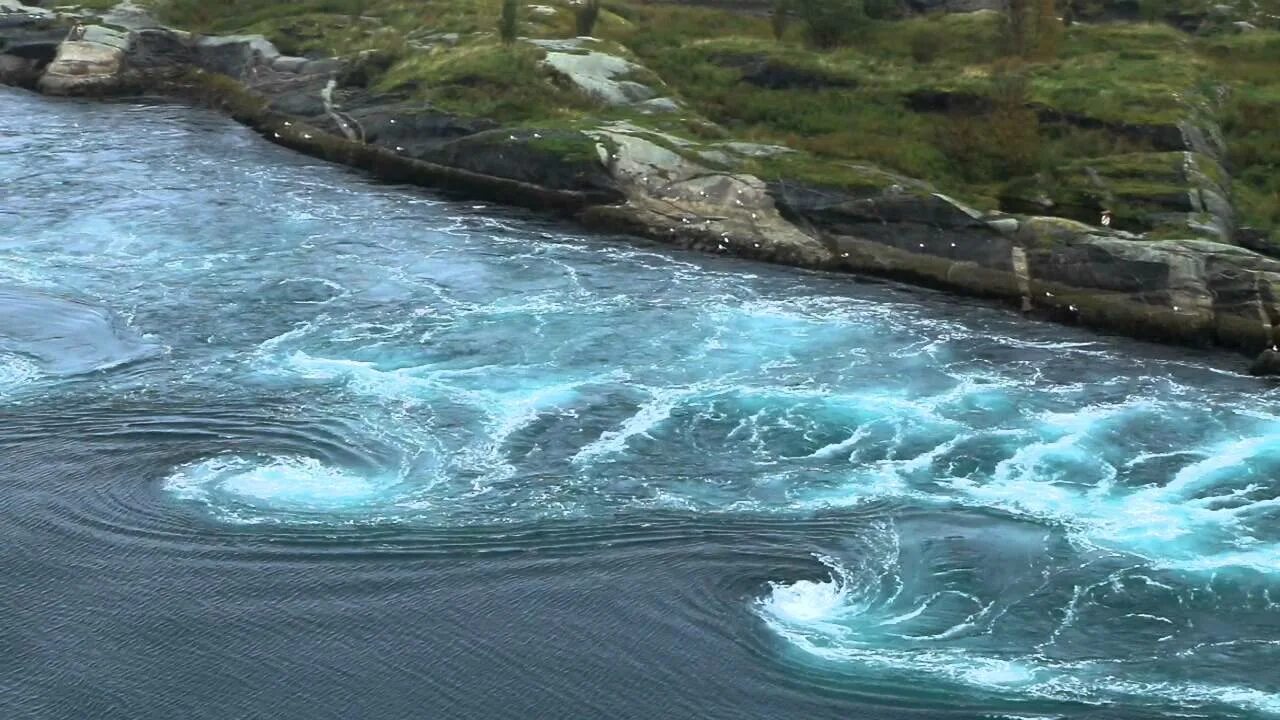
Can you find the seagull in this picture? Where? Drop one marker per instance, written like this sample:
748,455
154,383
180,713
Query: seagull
288,124
1106,218
306,136
276,134
1072,308
399,149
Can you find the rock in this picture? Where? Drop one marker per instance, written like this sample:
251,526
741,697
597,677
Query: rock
13,11
765,71
236,56
288,64
754,150
1179,193
409,128
130,16
679,201
19,71
91,65
659,105
555,159
1267,363
1243,26
158,53
599,75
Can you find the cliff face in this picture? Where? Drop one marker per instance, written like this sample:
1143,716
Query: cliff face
1167,271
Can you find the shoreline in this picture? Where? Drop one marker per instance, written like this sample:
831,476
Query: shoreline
1185,292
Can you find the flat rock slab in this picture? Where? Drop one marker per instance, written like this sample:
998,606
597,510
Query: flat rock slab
600,75
13,7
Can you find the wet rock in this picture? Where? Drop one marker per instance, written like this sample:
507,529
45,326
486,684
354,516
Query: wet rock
1266,364
19,71
89,62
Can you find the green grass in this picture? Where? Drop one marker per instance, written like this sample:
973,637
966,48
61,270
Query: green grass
1123,75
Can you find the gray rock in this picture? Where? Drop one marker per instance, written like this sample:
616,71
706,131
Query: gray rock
598,74
1267,363
755,150
93,65
236,56
18,71
17,8
659,105
288,64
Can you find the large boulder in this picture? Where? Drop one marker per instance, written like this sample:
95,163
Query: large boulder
90,62
675,199
604,77
236,56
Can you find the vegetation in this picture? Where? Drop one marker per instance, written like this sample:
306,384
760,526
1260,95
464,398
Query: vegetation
585,16
509,22
970,102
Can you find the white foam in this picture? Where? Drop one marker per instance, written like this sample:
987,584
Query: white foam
15,372
289,483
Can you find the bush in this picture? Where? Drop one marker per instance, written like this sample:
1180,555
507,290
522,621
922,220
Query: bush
585,16
509,23
830,23
925,45
779,18
1031,29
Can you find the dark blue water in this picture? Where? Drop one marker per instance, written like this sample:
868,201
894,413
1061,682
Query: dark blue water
278,442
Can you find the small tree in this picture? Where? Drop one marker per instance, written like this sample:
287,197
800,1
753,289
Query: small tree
1031,29
509,23
1048,30
779,18
585,17
830,23
1013,128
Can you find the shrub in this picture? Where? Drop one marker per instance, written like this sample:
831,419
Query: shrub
1031,29
585,16
779,18
508,23
830,23
925,45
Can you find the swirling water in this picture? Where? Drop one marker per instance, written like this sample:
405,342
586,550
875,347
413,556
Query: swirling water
276,441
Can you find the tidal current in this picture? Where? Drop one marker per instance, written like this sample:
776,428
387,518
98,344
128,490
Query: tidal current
280,442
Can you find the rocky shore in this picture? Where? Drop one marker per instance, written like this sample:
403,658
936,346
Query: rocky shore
1203,288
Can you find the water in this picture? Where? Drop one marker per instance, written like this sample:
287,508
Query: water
276,441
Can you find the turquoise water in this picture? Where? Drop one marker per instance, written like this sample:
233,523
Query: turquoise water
267,425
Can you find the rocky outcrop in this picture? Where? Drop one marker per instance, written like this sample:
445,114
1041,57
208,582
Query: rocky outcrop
91,61
607,78
1185,194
